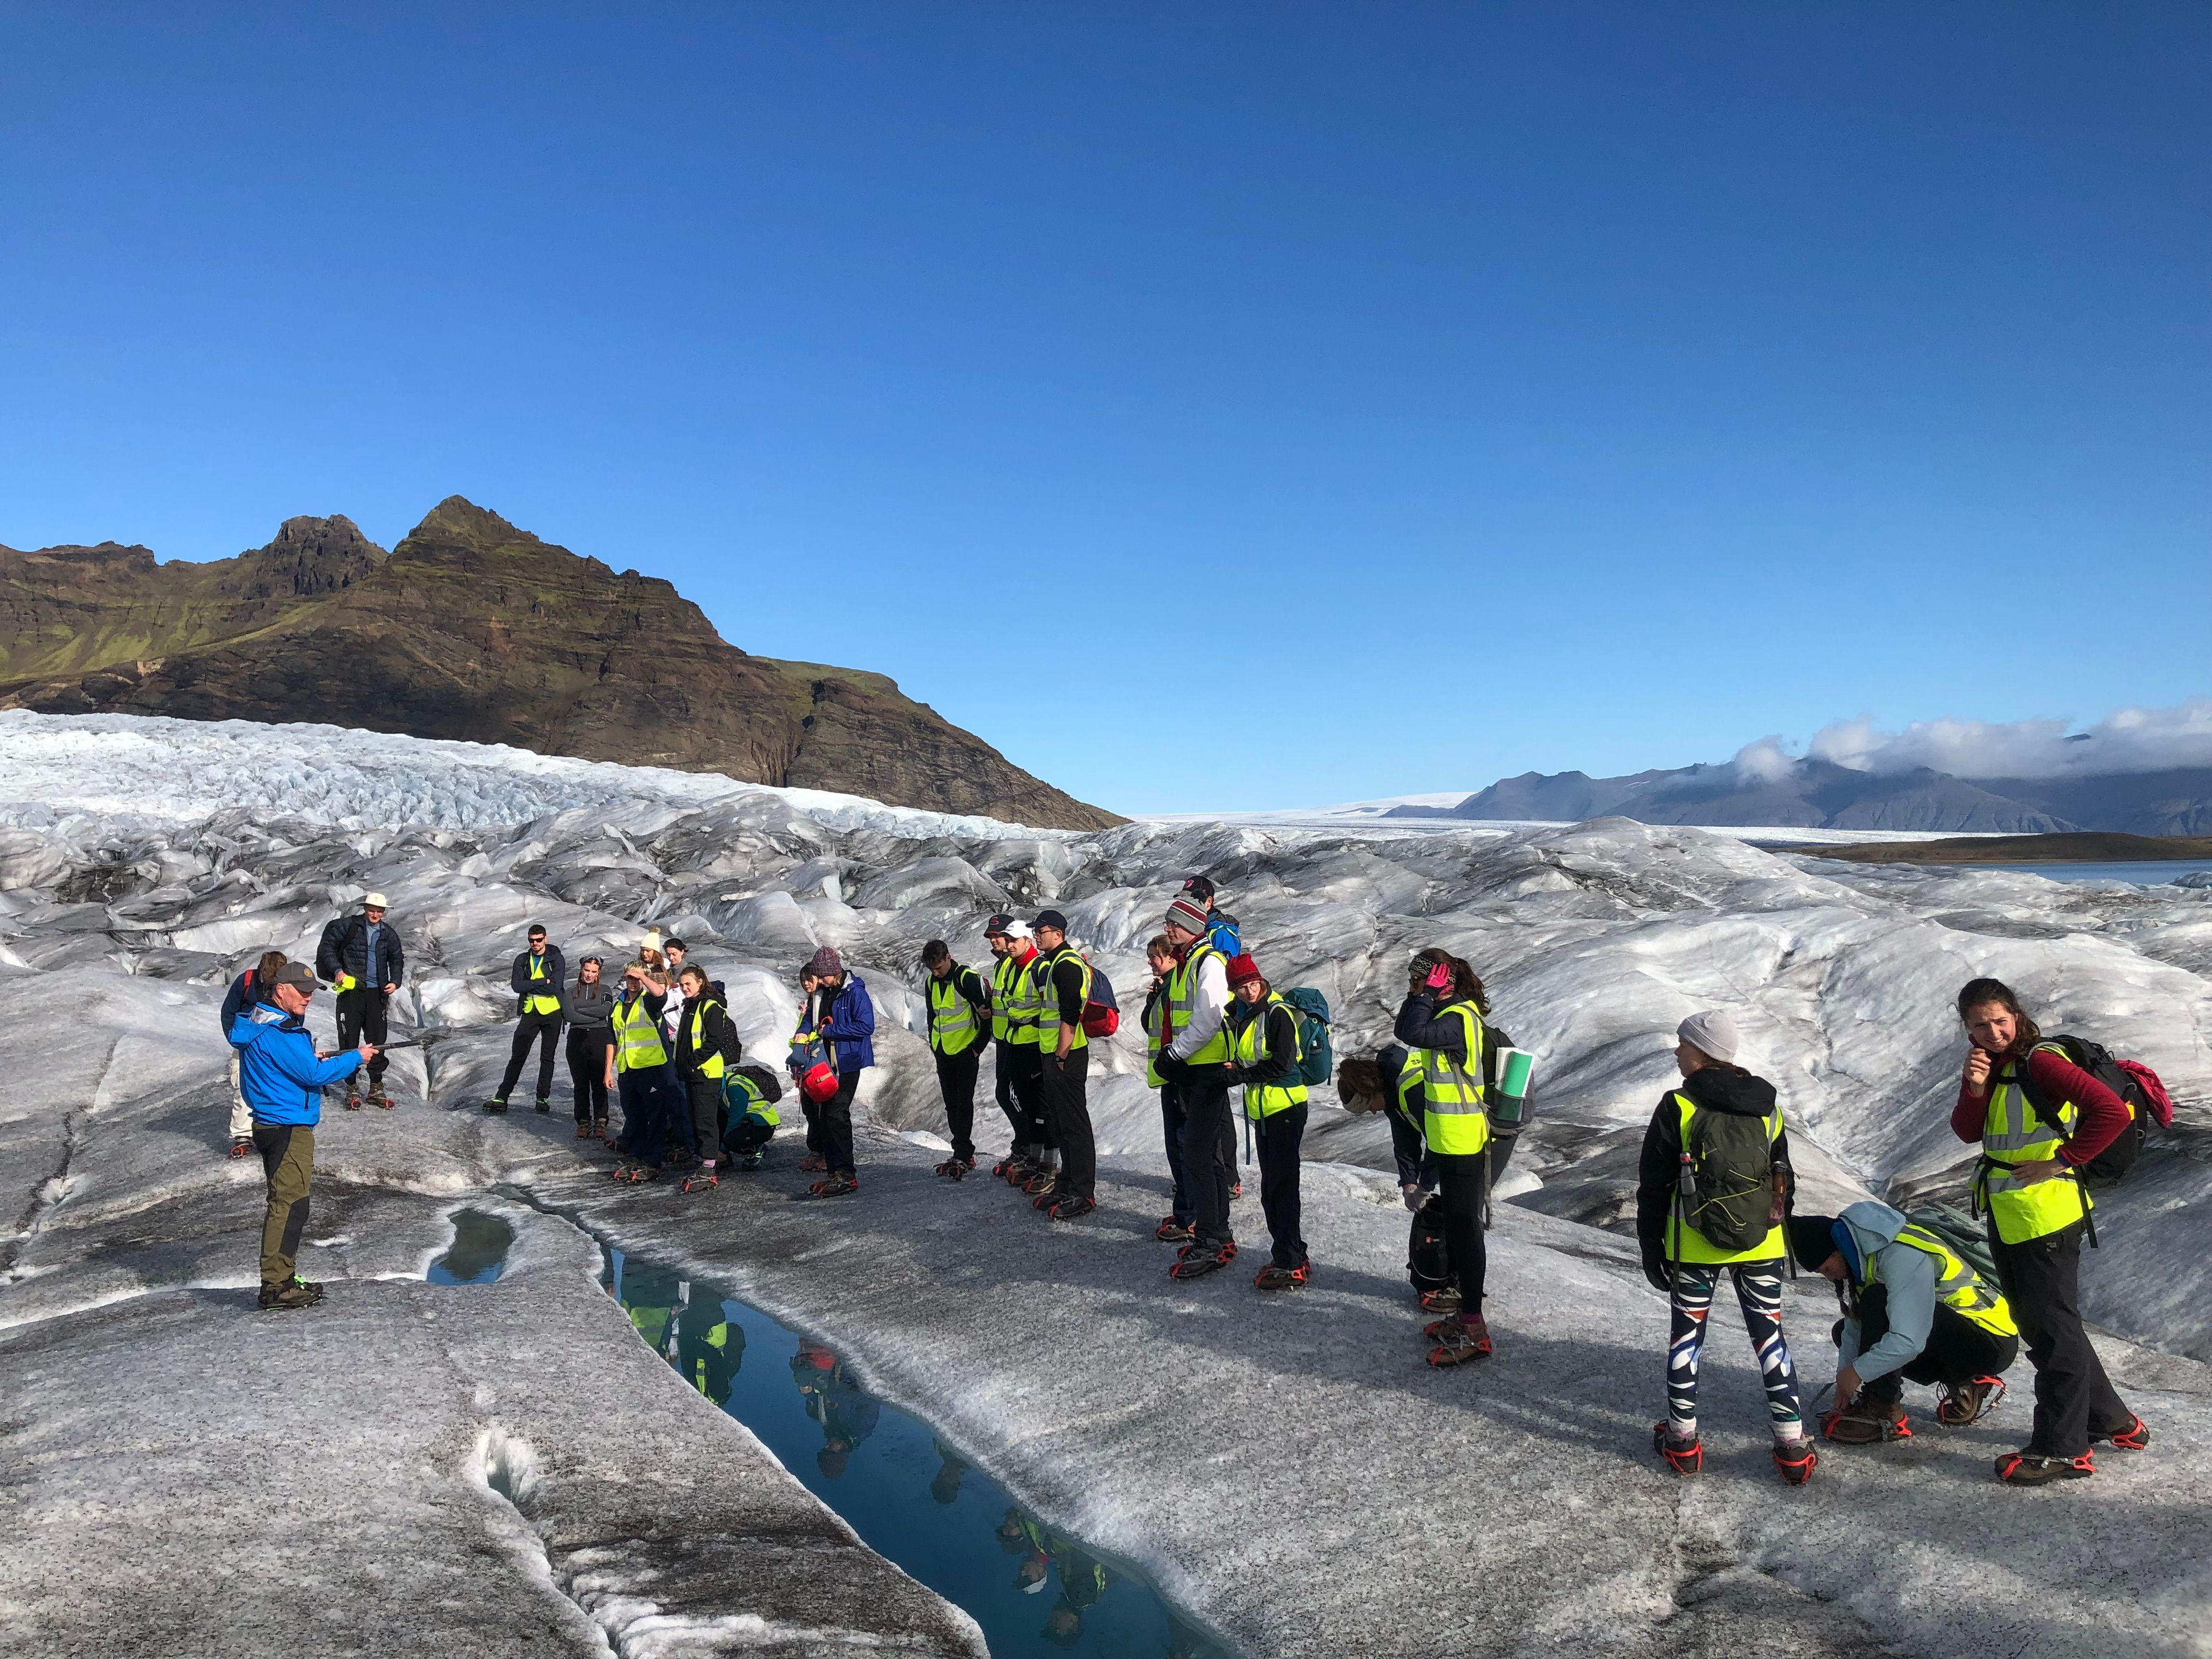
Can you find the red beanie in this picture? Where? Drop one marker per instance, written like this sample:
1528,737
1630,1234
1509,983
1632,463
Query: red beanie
1243,970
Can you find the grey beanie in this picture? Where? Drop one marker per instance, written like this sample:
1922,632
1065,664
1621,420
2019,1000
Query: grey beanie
1712,1033
827,961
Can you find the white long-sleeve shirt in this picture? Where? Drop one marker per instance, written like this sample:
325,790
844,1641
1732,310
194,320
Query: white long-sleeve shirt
1209,1001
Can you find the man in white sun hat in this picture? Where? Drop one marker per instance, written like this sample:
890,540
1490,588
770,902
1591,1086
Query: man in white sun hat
360,956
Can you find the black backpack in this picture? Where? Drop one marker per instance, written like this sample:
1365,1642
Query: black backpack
761,1078
2110,1167
1428,1262
1727,1191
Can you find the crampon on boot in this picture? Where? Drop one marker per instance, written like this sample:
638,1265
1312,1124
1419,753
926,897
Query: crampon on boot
1795,1460
583,1131
1866,1422
1459,1342
1683,1456
954,1167
1171,1232
1272,1278
241,1146
382,1100
834,1186
2134,1437
700,1180
2022,1468
1197,1259
811,1161
1970,1402
353,1103
1073,1207
1443,1300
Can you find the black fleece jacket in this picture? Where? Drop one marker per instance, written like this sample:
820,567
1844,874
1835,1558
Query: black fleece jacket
1717,1089
718,1037
1421,1025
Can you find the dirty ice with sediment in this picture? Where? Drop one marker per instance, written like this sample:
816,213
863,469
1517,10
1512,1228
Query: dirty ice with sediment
505,1467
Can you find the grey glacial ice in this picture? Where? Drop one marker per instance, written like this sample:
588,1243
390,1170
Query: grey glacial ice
184,1475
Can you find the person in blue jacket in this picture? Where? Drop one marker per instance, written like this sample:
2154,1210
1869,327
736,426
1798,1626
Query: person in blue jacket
245,991
846,1020
282,1079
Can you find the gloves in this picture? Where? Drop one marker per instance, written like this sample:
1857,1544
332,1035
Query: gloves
1411,1194
1235,1074
1440,977
1655,1271
1170,1067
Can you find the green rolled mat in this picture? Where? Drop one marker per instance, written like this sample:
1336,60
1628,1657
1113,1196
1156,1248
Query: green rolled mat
1514,1068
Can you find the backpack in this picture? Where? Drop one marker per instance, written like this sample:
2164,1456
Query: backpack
2133,1082
770,1086
1727,1190
1102,1010
1428,1261
1310,1009
1958,1230
1222,934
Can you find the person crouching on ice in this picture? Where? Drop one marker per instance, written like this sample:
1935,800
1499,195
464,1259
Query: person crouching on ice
1263,1058
1441,1023
1711,1190
1914,1310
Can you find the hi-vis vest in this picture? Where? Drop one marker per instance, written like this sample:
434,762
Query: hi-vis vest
1021,1003
952,1029
2012,1133
1249,1047
1180,998
1957,1286
1452,1117
745,1099
637,1037
712,1065
538,1004
1048,999
1004,974
1156,1036
1683,1241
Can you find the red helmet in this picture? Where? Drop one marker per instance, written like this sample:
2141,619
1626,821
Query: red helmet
820,1082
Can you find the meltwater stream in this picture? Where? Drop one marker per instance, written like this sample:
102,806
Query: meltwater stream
1033,1590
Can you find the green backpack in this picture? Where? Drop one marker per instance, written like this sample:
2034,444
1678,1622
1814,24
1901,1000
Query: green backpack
1727,1187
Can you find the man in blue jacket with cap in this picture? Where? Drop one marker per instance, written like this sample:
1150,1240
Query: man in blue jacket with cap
282,1080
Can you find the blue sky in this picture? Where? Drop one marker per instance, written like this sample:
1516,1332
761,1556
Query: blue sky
1224,406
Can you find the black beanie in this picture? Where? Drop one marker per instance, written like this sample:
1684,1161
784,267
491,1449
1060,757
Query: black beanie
1813,1240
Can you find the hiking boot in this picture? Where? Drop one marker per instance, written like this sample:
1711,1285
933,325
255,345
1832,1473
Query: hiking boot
639,1174
1040,1180
599,1127
1199,1258
1171,1232
834,1186
297,1294
1795,1460
1866,1422
495,1106
1272,1278
1073,1208
999,1169
1683,1456
1443,1300
2022,1468
1970,1402
2134,1437
751,1161
381,1101
1048,1195
954,1167
583,1131
353,1103
542,1107
700,1180
813,1161
241,1146
1459,1342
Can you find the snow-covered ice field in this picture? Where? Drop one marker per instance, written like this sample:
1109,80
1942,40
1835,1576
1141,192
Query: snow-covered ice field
183,1475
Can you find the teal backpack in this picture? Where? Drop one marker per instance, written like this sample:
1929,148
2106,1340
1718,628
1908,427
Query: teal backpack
1316,1062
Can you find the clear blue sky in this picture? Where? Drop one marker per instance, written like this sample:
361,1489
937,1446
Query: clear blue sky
1224,406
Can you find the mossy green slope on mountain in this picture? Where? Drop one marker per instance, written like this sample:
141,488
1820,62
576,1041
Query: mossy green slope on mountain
471,629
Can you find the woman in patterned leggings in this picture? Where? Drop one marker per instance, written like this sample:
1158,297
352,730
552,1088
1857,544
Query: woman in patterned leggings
1729,1122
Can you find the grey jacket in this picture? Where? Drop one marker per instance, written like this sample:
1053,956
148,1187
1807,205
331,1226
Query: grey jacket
589,1007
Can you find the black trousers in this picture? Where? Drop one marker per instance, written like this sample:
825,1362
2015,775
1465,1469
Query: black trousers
2073,1398
1021,1073
1067,1086
1010,1103
544,1030
705,1094
1171,1121
587,1070
835,1117
1956,1351
1277,1136
360,1019
1463,1183
1207,1142
956,1081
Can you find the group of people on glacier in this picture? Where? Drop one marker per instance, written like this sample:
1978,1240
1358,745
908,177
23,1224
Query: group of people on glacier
1925,1297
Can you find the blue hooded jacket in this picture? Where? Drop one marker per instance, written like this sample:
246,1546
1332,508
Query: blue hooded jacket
1867,1235
277,1071
851,1027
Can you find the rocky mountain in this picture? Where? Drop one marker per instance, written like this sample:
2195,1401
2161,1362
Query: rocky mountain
471,629
1819,794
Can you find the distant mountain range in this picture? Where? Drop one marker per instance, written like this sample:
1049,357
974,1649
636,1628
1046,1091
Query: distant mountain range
1821,795
473,629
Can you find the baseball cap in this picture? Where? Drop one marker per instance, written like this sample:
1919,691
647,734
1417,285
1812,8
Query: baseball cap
295,973
997,924
1199,887
1051,919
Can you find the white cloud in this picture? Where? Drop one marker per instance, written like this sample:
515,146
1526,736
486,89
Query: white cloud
2132,740
1764,761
